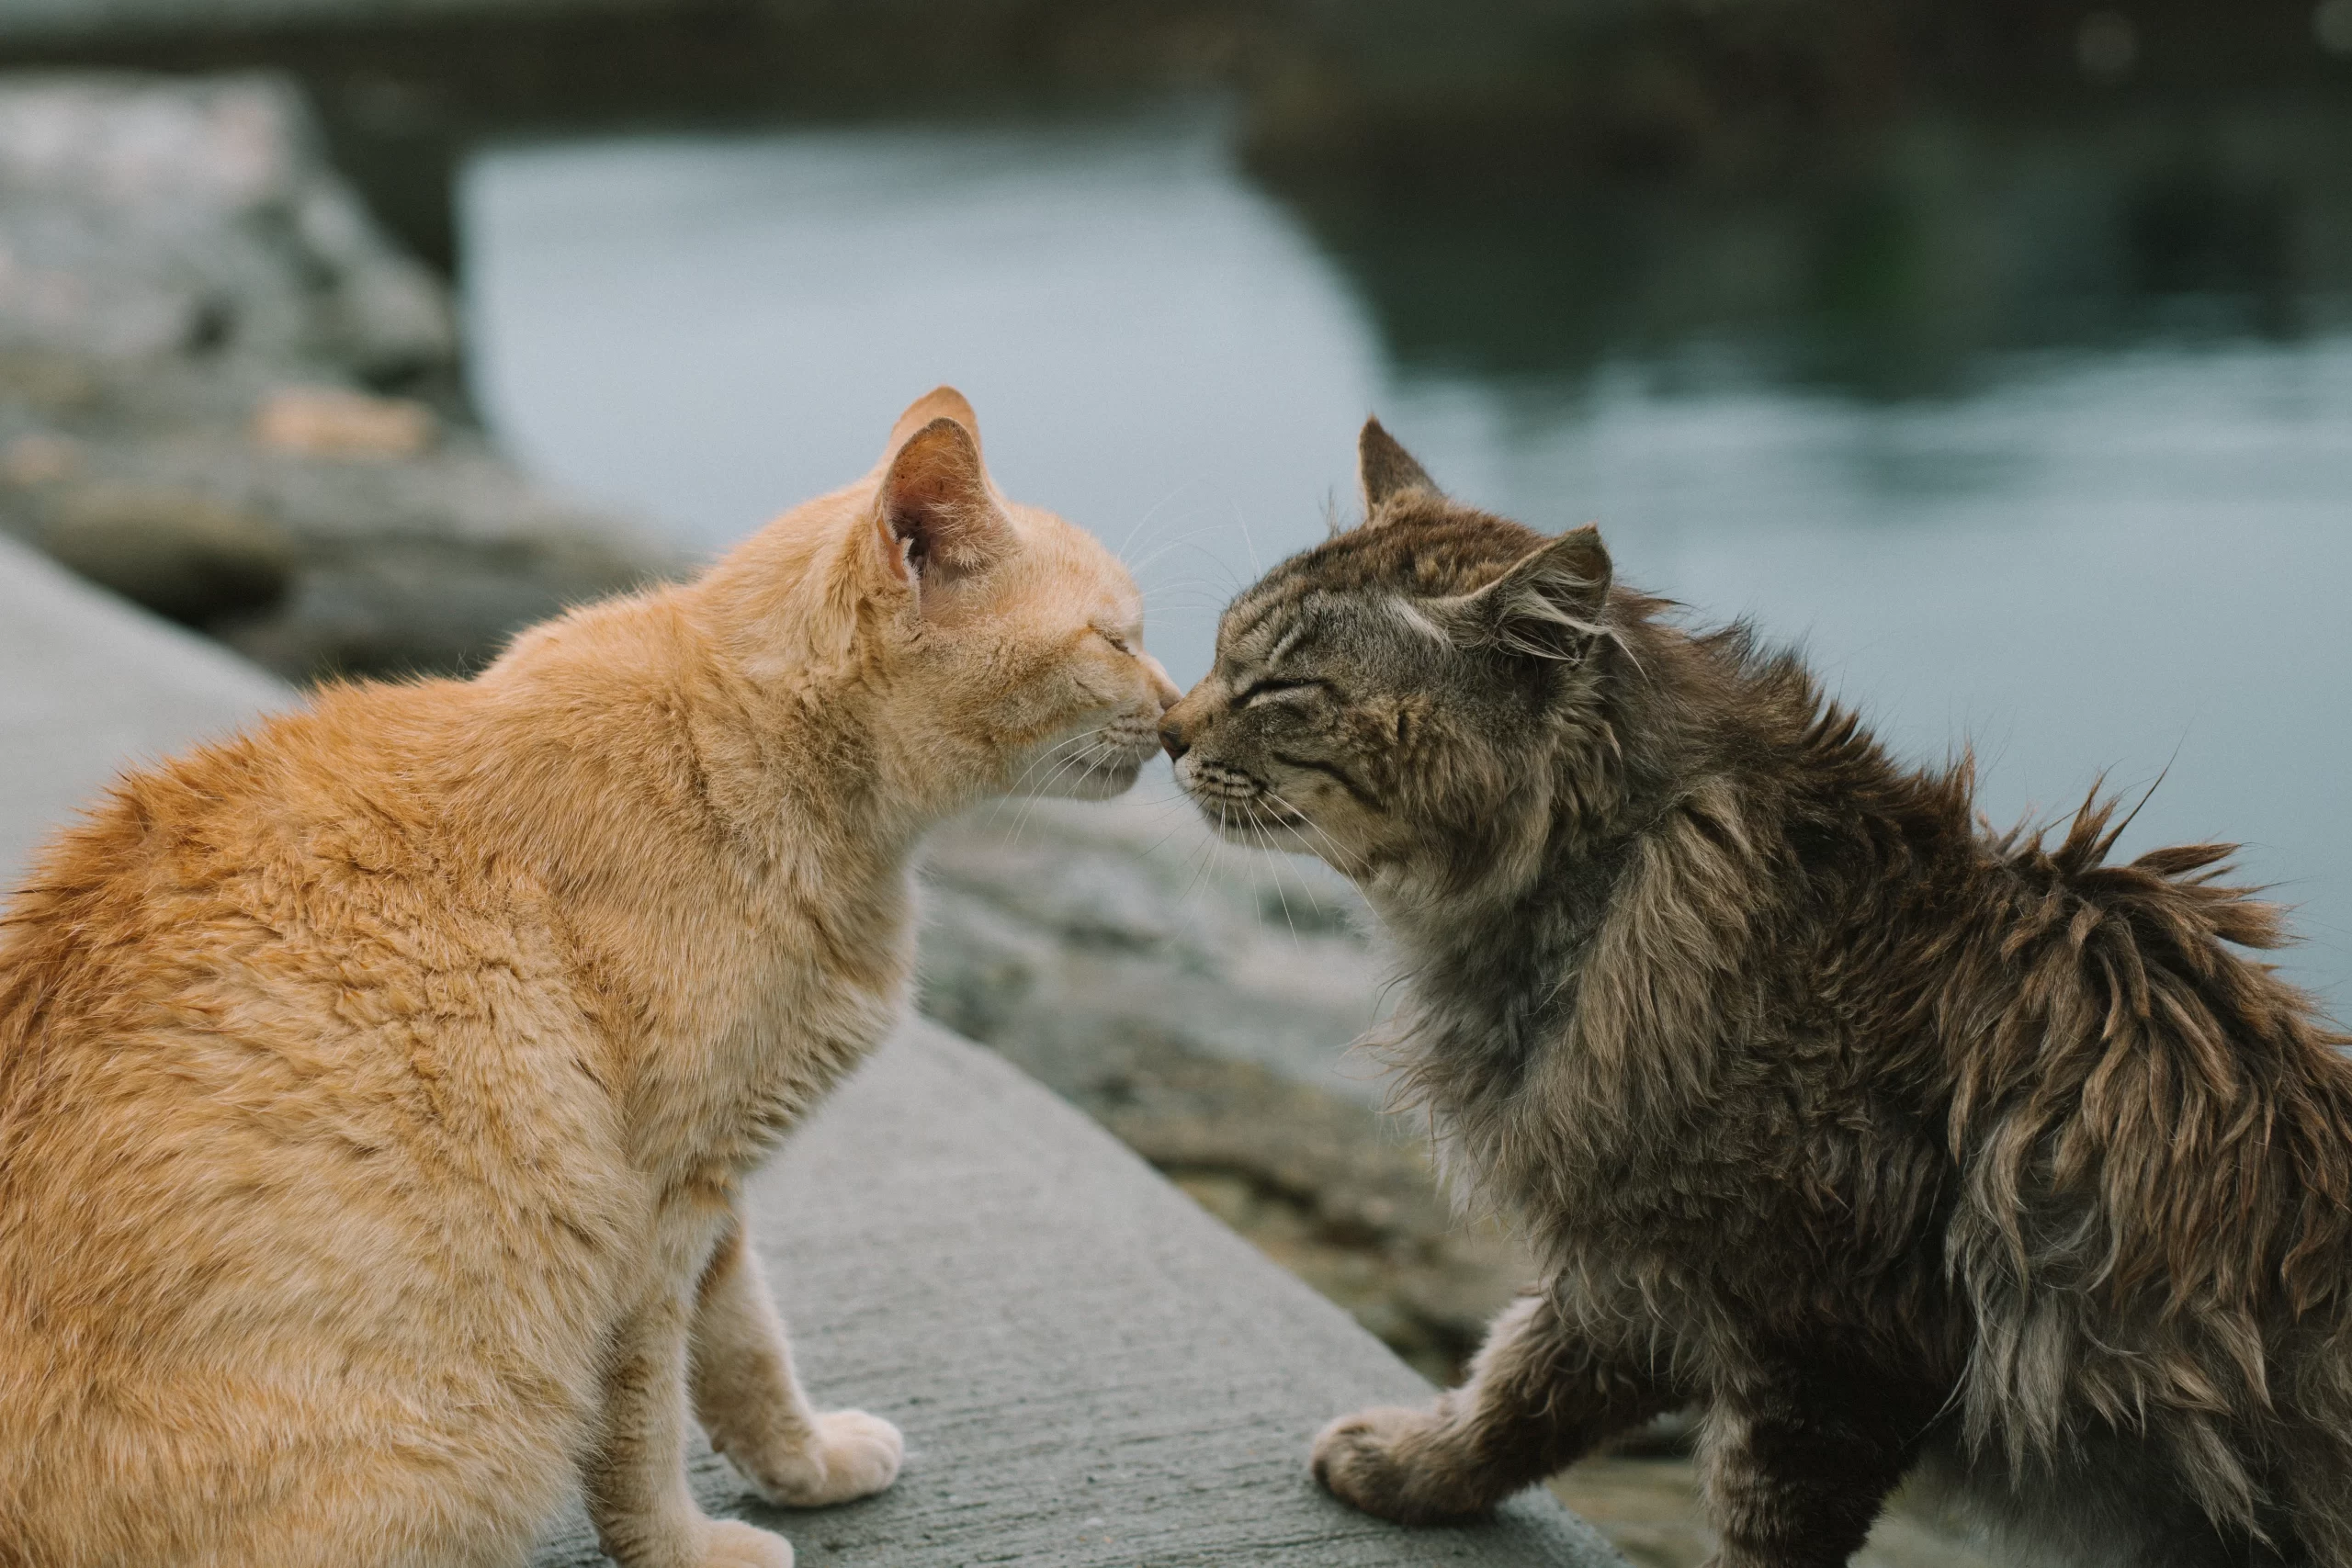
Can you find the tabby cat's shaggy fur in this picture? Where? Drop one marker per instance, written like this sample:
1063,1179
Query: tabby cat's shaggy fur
1895,1145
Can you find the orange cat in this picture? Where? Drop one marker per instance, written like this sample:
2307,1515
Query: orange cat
377,1090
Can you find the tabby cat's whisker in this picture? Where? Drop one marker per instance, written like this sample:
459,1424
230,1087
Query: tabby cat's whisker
1343,860
1280,896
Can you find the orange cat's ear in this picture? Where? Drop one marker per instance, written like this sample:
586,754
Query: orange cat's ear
940,402
937,515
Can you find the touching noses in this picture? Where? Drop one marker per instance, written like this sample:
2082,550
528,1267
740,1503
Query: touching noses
1172,738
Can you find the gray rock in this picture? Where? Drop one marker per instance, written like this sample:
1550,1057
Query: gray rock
140,218
192,308
1134,922
398,604
187,558
384,314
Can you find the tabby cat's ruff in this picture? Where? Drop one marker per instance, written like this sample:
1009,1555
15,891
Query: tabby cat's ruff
1896,1145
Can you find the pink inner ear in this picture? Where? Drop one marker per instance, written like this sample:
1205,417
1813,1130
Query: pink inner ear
937,503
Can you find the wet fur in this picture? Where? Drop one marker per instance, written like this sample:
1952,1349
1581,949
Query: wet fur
1899,1145
377,1088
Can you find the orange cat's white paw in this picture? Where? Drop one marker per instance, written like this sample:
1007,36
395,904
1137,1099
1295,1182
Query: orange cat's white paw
851,1454
731,1543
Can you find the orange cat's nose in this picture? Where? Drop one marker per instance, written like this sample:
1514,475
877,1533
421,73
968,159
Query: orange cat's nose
1163,690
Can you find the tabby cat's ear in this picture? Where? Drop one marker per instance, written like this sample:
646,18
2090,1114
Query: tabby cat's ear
1550,604
937,512
1385,470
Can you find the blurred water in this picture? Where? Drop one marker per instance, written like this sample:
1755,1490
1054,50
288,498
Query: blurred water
2055,459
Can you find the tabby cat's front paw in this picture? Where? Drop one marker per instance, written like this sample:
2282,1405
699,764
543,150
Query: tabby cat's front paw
849,1454
731,1543
1384,1461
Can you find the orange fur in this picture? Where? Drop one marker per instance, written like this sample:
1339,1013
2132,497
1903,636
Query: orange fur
377,1088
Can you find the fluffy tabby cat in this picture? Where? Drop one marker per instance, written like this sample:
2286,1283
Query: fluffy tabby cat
377,1090
1894,1145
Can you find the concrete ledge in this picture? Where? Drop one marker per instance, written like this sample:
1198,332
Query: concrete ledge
1090,1370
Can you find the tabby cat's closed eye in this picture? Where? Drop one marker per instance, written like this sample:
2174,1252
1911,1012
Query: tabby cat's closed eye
1272,687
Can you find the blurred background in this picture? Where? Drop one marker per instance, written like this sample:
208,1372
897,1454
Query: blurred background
1996,351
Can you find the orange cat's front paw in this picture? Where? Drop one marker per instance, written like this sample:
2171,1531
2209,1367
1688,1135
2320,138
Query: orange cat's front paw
850,1454
1383,1461
731,1543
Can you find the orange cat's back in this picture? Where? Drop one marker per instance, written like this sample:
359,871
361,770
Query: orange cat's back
263,1035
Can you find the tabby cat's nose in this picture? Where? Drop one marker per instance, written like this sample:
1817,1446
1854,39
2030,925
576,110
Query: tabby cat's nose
1171,739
